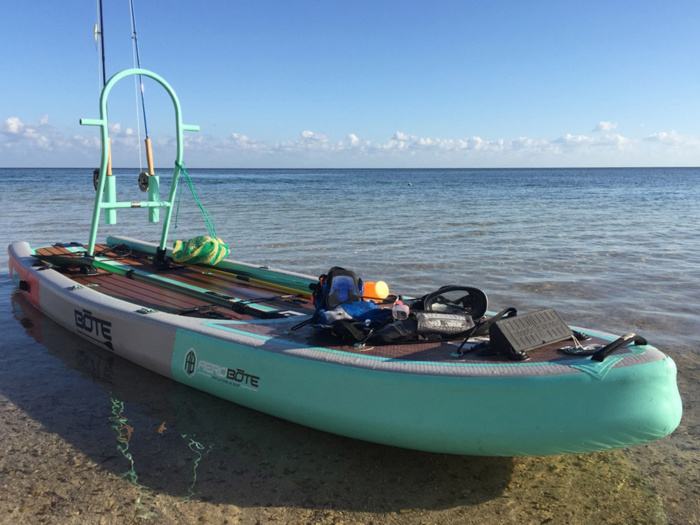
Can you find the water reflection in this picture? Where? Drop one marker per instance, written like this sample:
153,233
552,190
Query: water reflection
164,437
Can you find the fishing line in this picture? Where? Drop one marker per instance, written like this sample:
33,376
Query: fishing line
137,80
137,56
138,83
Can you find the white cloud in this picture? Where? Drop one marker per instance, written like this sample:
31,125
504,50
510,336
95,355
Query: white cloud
309,142
617,140
404,149
401,136
239,142
573,140
14,125
22,142
583,141
667,137
605,126
27,141
673,143
315,139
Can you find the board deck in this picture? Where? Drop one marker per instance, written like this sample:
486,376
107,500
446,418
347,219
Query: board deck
155,297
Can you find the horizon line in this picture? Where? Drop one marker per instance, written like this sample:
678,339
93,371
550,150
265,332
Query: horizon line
163,168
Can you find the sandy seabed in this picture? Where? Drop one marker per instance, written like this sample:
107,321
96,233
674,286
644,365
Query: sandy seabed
297,475
87,438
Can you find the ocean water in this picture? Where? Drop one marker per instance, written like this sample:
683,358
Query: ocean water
612,249
618,249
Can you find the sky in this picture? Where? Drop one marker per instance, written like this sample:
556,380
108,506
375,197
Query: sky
358,84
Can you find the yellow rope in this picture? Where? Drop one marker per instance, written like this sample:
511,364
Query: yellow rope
200,250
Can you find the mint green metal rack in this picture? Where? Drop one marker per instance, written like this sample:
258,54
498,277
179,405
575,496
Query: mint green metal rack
106,197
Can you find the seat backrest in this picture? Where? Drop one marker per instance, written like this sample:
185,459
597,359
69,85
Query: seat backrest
341,286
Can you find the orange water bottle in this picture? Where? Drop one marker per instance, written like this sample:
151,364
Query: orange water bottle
375,291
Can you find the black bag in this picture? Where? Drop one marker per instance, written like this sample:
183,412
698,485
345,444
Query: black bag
446,314
453,300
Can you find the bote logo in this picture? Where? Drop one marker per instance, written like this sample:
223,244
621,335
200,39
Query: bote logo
95,328
190,362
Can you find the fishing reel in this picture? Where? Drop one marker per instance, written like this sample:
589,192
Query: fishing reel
143,181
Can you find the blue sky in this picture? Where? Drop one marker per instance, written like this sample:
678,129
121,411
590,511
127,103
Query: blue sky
295,84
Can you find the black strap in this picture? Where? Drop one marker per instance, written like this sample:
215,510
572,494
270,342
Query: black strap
381,324
120,250
349,327
303,323
460,352
483,329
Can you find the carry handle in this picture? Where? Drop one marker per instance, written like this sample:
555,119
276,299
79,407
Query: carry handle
626,339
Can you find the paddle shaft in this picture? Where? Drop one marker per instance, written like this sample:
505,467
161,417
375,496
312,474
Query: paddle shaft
227,301
219,299
247,279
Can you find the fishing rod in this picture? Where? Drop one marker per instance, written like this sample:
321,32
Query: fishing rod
102,40
100,32
143,178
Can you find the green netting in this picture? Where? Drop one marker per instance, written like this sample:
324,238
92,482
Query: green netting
208,219
203,249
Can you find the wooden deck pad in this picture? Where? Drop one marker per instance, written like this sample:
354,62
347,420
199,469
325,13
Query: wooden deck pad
171,301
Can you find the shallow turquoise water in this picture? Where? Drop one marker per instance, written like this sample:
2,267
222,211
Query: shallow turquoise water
612,249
